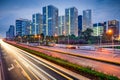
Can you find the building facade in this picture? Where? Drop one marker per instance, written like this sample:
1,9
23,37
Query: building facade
61,25
23,27
98,29
50,20
87,19
10,34
36,24
114,25
79,24
71,21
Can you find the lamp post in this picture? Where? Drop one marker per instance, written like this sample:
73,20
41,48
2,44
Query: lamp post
35,37
64,33
56,35
68,39
110,32
100,39
39,39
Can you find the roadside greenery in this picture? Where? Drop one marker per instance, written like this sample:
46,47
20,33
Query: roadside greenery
85,71
117,47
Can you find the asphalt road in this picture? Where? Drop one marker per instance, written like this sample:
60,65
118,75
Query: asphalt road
20,65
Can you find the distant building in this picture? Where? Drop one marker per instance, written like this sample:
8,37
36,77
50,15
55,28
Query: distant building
98,29
10,34
61,25
7,34
87,19
105,28
23,27
36,24
79,24
114,25
71,21
50,20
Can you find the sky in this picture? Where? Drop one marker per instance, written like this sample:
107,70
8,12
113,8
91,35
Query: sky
10,10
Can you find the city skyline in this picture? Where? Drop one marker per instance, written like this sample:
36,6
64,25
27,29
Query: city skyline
11,10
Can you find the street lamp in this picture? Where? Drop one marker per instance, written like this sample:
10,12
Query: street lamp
39,39
35,36
100,39
56,35
110,32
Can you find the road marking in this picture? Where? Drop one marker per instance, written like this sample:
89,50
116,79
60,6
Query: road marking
41,76
51,68
10,68
34,74
23,71
39,68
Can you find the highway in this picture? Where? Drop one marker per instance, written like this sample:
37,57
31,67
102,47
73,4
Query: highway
21,65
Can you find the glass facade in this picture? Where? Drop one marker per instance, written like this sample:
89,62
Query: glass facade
23,27
61,25
36,24
79,24
71,21
50,20
98,29
10,34
87,20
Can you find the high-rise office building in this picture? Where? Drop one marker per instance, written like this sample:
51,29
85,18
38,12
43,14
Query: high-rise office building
87,19
36,24
22,27
71,21
114,25
61,25
7,34
98,29
50,20
18,27
79,24
10,34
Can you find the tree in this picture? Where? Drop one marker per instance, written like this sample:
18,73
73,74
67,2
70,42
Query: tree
42,36
87,34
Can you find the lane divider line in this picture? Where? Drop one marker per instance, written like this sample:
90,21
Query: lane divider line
50,68
23,71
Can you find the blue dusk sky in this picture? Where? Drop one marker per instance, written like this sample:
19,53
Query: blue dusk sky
10,10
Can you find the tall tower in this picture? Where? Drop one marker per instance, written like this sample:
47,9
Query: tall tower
87,19
79,24
36,24
71,21
61,25
50,20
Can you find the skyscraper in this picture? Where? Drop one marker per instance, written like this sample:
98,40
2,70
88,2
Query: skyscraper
87,19
61,25
50,20
18,27
22,27
79,24
71,21
36,24
10,34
